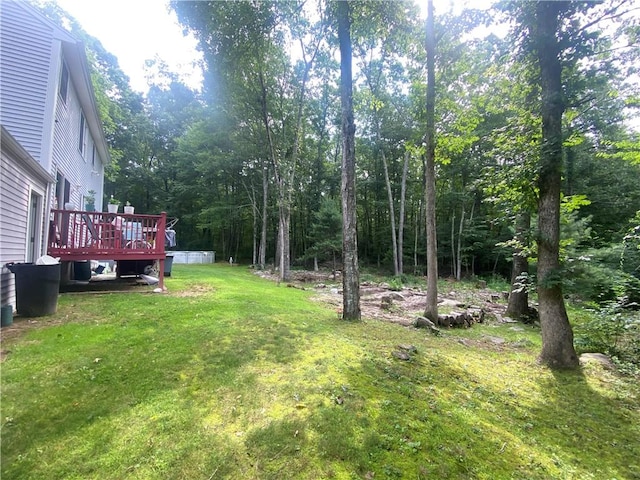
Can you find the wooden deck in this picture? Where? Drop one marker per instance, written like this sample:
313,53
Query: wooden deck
77,235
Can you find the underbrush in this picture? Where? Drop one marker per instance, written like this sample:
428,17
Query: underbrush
614,331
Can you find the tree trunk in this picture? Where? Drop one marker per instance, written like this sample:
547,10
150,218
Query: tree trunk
392,214
453,244
262,255
431,310
518,306
418,228
350,277
403,194
285,244
459,253
254,230
557,337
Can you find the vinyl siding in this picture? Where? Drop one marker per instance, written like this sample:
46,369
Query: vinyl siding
26,46
67,156
18,180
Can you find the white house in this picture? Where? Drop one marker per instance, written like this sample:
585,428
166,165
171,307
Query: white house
53,145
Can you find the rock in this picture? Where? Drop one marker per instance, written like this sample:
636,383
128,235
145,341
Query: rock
408,348
477,314
600,358
522,343
495,340
401,355
422,322
457,319
386,303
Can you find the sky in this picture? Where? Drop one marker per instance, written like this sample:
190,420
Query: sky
138,30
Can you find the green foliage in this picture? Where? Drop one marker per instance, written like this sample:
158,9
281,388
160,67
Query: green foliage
626,150
614,331
325,234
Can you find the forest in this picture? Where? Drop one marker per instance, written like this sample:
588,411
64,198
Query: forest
529,103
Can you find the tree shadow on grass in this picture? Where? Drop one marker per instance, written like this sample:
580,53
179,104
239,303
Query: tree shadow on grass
404,421
110,396
580,422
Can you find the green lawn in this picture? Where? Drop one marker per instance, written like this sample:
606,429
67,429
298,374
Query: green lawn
231,376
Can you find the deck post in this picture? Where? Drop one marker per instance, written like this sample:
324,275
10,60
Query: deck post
161,238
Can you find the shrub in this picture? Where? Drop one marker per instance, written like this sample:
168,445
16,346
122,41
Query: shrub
614,331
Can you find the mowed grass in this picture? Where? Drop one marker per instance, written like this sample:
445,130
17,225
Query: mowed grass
231,376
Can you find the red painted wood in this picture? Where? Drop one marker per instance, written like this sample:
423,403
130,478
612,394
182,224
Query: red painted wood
78,235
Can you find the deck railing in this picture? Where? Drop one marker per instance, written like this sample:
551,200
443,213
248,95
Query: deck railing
79,235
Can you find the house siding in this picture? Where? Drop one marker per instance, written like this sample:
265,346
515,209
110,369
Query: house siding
67,157
26,45
20,176
41,130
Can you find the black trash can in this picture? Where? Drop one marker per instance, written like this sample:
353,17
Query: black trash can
37,288
168,263
82,271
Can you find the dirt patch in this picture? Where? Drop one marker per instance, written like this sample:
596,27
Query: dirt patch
379,301
21,325
194,291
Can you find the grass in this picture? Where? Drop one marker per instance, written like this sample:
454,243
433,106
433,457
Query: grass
231,376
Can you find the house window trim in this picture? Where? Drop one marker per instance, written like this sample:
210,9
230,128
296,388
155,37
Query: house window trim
63,87
83,136
35,221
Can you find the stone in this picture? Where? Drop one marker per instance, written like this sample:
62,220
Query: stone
495,340
408,348
600,358
422,322
522,343
401,355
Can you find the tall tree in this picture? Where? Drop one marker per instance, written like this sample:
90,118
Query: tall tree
557,336
350,277
431,310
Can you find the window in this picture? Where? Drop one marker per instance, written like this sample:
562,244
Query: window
82,140
64,82
33,231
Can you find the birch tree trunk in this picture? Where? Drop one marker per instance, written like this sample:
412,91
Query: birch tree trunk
392,214
459,254
403,194
262,255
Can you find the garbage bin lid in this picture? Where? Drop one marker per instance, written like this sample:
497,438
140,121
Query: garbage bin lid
47,260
